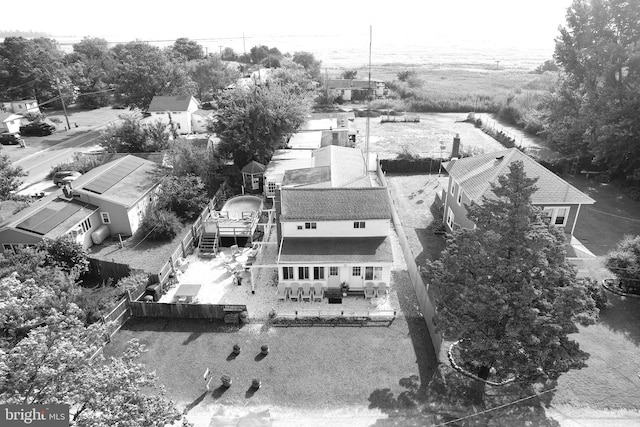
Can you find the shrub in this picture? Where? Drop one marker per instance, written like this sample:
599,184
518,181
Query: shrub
65,253
624,262
184,195
132,283
160,224
596,292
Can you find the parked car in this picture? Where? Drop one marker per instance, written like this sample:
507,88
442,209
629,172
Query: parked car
61,178
37,129
8,138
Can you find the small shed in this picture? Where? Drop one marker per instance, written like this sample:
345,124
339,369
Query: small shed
10,122
253,176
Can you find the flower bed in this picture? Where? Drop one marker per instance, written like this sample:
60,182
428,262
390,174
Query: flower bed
469,374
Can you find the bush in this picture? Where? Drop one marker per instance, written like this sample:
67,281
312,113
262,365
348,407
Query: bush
184,195
65,253
132,283
596,292
160,225
624,262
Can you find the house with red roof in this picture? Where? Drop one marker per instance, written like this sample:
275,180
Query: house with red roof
470,179
109,200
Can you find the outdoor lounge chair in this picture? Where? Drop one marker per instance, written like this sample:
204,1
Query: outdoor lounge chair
294,295
369,290
317,292
382,289
283,291
306,291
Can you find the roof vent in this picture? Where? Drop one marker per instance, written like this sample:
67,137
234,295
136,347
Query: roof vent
499,158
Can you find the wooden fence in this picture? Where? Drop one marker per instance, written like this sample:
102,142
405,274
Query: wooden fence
186,246
106,269
426,306
189,311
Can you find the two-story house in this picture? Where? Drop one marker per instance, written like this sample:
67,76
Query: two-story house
178,110
470,179
334,235
113,198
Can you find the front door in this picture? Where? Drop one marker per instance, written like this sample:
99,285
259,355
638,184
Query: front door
333,279
356,279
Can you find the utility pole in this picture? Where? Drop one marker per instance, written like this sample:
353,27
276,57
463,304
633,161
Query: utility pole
220,46
64,108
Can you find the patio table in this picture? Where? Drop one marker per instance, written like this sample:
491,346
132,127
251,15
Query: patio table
186,292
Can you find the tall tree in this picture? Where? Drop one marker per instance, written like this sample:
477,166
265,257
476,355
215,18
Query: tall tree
595,109
91,66
189,49
29,68
349,74
255,121
144,71
210,76
309,62
9,177
506,290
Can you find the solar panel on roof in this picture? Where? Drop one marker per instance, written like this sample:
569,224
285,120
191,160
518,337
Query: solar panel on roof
47,219
114,175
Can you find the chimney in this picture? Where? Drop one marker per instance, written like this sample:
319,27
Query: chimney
455,151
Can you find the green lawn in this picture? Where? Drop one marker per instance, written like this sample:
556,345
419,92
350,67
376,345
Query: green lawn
610,379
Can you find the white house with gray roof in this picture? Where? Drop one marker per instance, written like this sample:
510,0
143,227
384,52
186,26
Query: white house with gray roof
176,109
114,197
470,179
335,235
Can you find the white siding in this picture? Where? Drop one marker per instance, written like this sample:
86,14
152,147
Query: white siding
345,274
372,228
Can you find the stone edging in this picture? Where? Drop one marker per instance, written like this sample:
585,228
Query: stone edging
469,374
616,291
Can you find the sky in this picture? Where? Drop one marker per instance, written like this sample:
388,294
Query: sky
505,22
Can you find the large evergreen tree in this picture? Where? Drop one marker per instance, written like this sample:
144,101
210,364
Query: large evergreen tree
595,109
506,290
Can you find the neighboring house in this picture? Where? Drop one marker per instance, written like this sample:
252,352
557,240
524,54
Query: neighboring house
20,107
334,235
355,90
176,109
112,197
330,166
316,133
344,120
470,179
10,122
199,120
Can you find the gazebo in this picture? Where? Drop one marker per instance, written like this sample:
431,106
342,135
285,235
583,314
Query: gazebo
253,176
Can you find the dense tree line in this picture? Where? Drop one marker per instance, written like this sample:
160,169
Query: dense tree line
95,74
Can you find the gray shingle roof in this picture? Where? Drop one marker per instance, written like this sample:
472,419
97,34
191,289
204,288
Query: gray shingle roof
334,204
476,173
338,249
170,103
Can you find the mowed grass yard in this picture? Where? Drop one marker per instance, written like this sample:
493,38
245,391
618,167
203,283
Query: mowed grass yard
610,379
320,368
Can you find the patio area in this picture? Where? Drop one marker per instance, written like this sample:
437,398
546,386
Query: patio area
217,285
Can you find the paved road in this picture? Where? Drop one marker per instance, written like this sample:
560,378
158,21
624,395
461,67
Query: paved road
39,164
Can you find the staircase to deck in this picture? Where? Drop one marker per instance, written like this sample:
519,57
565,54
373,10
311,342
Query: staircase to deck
209,240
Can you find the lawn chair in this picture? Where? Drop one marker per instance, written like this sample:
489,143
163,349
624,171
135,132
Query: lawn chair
283,291
317,292
294,295
369,290
235,250
382,289
306,292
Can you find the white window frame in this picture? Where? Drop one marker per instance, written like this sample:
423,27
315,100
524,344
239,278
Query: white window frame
105,217
459,195
552,213
318,273
334,271
303,273
356,271
453,187
450,218
359,224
